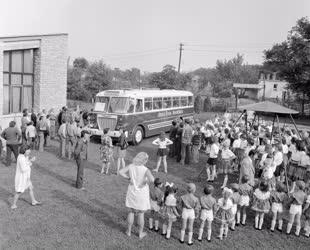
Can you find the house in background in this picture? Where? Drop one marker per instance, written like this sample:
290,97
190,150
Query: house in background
268,87
33,74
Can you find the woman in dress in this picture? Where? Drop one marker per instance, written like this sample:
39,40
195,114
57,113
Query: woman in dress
138,194
106,151
122,145
22,176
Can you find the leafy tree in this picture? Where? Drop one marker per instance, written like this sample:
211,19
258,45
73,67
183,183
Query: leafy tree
207,105
198,104
291,59
80,63
98,77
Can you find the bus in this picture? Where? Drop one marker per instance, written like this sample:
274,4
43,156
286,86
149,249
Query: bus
141,112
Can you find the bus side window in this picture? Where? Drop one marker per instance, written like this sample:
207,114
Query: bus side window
167,102
131,106
176,102
190,101
157,103
184,101
139,107
148,104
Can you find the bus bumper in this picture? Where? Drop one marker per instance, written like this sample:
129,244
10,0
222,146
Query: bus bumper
98,132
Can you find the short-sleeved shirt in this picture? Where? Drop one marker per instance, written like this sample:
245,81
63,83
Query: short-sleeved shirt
156,194
187,134
304,159
277,197
299,197
227,154
171,200
229,204
214,150
235,197
189,201
11,135
245,189
207,202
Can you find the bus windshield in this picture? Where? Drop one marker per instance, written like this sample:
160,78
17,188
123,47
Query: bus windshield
118,105
102,103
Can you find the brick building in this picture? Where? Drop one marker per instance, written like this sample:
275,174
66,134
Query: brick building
33,74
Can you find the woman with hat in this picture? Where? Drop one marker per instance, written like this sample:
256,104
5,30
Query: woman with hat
138,194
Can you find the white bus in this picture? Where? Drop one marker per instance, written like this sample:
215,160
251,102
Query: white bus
142,112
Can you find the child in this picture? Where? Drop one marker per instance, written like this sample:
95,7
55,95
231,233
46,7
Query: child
31,134
235,199
190,208
207,202
277,197
261,204
245,191
212,161
296,200
169,210
162,142
268,172
278,161
226,166
196,141
306,212
106,151
224,212
156,196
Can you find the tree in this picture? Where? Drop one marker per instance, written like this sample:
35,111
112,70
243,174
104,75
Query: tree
207,105
98,77
198,104
291,59
80,63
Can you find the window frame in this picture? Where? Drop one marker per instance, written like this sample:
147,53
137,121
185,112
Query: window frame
148,100
158,100
21,85
179,101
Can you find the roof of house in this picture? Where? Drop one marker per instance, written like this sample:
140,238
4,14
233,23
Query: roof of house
268,107
247,86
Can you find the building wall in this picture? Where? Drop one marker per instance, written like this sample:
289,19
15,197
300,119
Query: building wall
270,92
50,71
53,72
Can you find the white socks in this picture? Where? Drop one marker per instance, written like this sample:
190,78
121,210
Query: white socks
190,238
256,221
273,224
297,230
238,217
289,227
164,229
243,218
168,233
200,234
280,224
156,224
261,221
209,234
182,235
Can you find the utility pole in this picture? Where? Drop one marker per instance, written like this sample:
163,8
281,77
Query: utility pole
180,56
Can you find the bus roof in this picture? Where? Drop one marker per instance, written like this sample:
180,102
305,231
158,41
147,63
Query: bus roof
145,93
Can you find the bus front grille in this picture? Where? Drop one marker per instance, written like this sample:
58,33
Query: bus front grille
104,122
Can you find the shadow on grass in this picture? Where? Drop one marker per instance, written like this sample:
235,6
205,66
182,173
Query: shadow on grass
5,195
59,177
98,214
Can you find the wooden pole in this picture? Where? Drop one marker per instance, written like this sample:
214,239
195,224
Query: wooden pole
295,126
274,118
238,120
246,124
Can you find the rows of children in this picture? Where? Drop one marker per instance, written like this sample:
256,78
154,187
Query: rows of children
230,210
274,166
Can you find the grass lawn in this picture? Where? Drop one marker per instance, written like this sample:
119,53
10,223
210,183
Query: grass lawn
96,218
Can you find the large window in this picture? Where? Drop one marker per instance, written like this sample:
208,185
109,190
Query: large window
17,81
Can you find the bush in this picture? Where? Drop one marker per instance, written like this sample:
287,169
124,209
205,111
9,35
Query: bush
198,104
207,105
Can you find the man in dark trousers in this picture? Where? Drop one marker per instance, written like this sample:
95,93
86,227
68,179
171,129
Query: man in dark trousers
12,135
80,156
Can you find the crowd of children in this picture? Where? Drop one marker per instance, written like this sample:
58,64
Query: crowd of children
280,184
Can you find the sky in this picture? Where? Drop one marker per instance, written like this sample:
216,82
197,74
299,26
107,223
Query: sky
146,34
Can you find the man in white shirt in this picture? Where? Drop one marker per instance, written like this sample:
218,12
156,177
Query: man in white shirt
62,135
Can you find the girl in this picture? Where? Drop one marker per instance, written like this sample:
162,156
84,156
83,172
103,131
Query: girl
207,202
261,204
235,199
226,166
278,160
170,211
162,142
122,146
245,191
156,195
224,212
190,208
196,141
22,176
294,162
306,212
106,151
212,161
296,200
277,198
268,172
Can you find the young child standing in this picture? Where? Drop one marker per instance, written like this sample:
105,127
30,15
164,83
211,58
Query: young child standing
226,164
277,197
156,195
245,191
170,211
212,161
306,212
162,142
31,134
297,199
224,212
190,208
235,199
261,204
207,202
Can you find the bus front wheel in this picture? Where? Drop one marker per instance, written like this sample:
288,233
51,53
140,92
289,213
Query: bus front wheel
138,135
